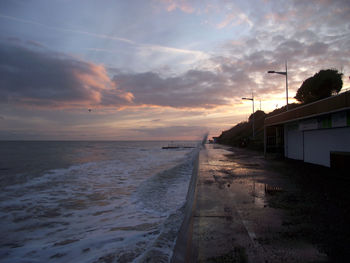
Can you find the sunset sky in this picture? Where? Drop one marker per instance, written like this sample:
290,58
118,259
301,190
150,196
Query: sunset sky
157,69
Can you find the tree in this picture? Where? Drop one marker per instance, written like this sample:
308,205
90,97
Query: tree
258,115
323,84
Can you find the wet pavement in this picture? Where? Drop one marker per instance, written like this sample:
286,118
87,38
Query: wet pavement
232,220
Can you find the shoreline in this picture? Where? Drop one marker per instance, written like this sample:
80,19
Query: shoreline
184,238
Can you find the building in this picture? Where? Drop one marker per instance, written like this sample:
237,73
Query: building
317,133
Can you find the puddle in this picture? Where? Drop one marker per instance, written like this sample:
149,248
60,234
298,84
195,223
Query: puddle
247,191
238,172
258,193
271,190
251,165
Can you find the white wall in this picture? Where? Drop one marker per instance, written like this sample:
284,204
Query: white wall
319,143
293,142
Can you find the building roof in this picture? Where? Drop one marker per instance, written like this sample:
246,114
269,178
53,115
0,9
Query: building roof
320,107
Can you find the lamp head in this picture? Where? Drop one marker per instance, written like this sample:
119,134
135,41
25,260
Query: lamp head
271,71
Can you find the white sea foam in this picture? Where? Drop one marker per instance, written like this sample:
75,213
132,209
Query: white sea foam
122,209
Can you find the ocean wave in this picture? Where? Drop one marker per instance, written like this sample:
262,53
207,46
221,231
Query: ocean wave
122,209
166,193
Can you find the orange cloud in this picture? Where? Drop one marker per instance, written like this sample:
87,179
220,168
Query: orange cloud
55,80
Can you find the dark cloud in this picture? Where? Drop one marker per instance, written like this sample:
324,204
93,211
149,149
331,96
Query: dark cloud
302,49
14,39
41,78
35,44
307,22
237,74
317,49
306,36
278,39
195,88
47,79
289,49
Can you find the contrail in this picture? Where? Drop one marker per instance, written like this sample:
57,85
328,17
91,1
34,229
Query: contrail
125,40
67,29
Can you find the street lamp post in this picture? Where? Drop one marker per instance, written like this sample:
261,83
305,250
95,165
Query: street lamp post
285,73
252,99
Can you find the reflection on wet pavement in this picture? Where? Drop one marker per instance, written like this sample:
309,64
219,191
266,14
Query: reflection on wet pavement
232,211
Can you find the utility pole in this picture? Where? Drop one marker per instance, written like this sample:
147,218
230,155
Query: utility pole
285,73
260,104
253,117
252,99
287,84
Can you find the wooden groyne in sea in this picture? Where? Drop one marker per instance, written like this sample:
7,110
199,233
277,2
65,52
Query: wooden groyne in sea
178,146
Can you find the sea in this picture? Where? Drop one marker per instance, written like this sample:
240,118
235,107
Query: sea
99,201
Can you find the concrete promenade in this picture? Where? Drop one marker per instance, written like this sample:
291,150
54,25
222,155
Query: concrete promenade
231,219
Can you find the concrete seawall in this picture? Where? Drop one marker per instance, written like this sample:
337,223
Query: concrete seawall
184,240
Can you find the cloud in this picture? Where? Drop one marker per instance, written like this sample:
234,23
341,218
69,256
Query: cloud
235,18
45,79
53,80
317,49
314,15
156,48
183,5
158,54
306,55
35,44
289,49
193,89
